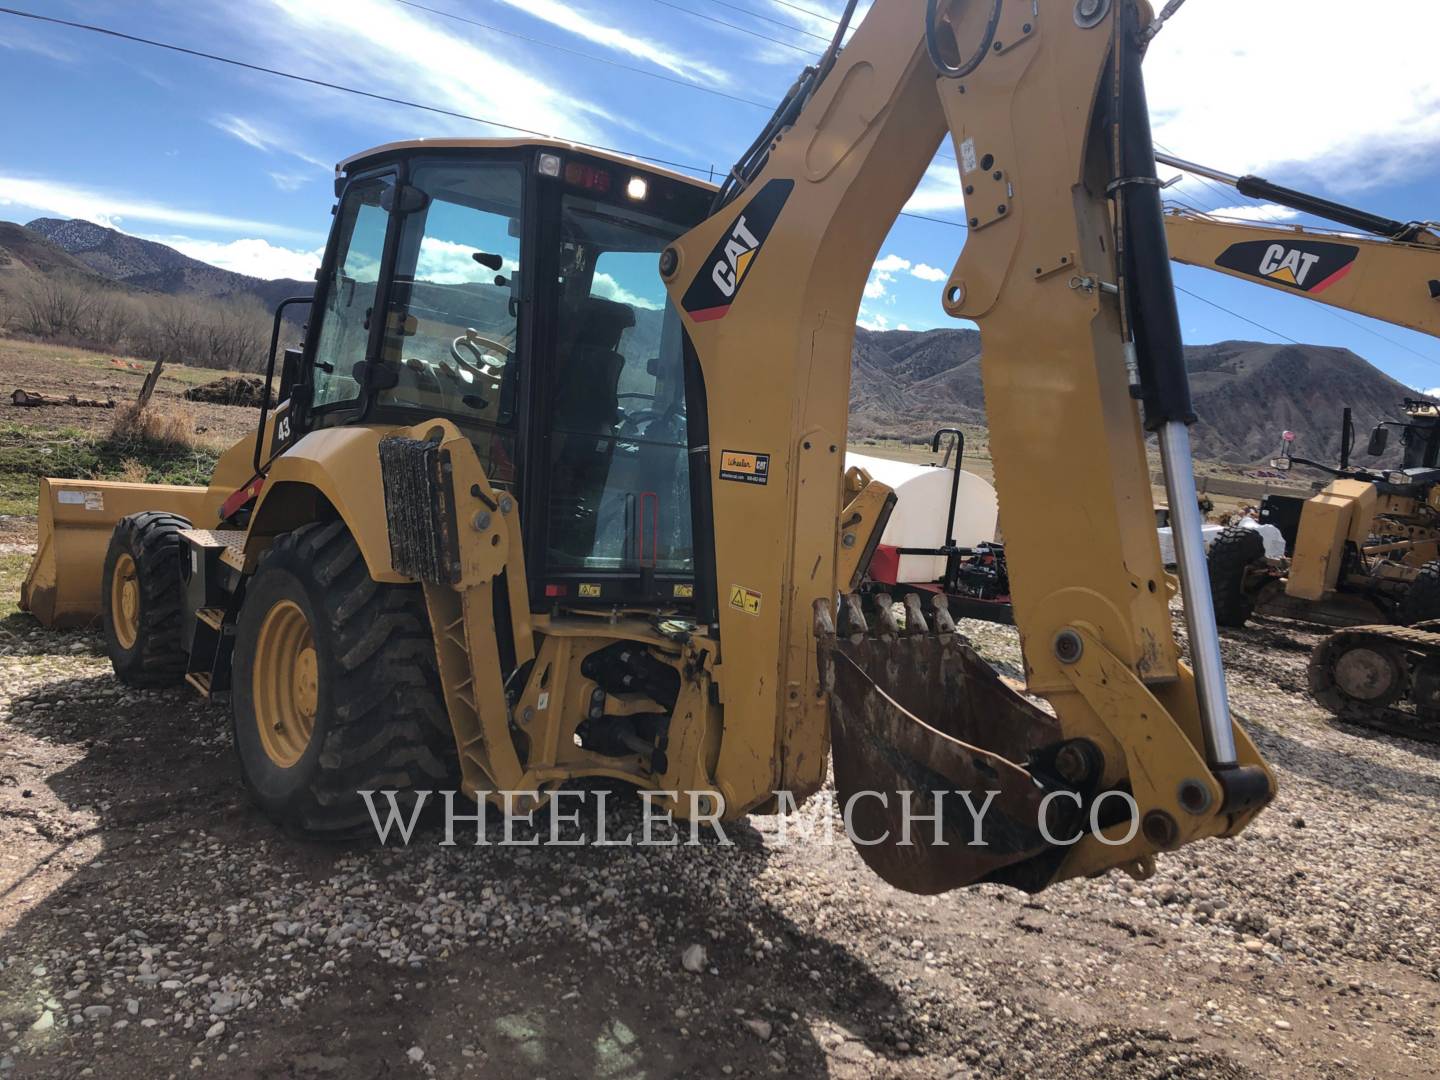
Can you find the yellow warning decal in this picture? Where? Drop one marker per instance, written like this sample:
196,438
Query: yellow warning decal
746,600
683,592
589,590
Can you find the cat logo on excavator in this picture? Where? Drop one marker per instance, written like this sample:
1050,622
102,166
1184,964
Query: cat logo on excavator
1310,266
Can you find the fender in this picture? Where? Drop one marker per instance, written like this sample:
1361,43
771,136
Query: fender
342,465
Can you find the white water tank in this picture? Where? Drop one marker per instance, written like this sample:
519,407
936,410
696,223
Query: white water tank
922,494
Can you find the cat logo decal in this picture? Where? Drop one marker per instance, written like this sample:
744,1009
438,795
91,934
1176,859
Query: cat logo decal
724,272
1309,266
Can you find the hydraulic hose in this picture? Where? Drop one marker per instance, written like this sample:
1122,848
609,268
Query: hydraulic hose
932,42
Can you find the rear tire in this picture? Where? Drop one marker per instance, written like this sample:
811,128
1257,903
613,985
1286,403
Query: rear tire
141,598
1421,602
363,711
1235,550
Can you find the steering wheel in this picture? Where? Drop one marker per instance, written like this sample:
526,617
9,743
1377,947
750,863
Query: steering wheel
489,355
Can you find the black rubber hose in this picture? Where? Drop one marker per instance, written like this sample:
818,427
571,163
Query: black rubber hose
932,42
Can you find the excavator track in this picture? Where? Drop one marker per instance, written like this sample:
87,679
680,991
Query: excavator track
1386,678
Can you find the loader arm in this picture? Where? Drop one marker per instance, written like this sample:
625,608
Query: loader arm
770,286
1396,281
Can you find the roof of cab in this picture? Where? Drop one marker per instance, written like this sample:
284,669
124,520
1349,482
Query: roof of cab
356,161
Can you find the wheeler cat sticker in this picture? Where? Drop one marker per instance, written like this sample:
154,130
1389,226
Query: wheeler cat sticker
1311,266
720,278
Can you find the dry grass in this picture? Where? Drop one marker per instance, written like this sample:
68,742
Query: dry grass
133,471
158,424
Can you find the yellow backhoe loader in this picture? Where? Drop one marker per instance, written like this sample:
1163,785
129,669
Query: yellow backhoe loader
532,510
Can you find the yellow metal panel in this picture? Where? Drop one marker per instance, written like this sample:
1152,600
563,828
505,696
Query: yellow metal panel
77,517
1326,522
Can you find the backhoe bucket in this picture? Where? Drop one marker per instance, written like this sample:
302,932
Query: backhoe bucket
77,517
919,721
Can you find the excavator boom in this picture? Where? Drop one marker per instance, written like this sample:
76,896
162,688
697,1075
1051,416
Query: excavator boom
1396,281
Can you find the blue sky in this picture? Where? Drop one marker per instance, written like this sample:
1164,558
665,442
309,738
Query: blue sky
234,167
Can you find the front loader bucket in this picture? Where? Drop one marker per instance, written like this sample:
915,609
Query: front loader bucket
911,709
77,517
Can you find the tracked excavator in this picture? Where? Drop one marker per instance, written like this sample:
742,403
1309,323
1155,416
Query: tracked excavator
555,487
1364,549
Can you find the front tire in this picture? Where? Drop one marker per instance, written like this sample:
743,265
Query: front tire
1234,551
335,688
1421,602
141,597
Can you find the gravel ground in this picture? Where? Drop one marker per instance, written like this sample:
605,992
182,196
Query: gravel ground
155,925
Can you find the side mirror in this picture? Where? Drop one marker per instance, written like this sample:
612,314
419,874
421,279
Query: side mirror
403,199
488,259
1379,440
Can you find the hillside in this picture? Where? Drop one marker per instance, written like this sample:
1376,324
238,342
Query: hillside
25,250
154,267
909,383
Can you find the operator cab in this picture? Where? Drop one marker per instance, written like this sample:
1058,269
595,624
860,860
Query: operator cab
522,300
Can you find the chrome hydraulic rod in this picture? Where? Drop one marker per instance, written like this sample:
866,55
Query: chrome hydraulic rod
1187,526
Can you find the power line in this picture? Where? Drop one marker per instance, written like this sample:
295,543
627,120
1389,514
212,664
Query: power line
106,31
733,26
767,18
704,88
807,11
699,170
1324,307
1237,315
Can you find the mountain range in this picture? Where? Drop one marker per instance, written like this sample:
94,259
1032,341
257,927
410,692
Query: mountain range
1245,392
903,383
155,267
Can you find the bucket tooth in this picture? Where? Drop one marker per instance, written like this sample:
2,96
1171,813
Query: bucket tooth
914,619
852,618
885,623
944,623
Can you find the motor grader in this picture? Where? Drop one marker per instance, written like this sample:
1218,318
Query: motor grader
555,485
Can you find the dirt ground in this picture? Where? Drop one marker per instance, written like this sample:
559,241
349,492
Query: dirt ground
154,924
58,371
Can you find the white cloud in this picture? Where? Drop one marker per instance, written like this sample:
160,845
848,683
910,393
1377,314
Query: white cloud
612,37
448,263
1256,212
872,320
290,181
890,264
1228,87
389,49
258,258
926,272
105,208
875,287
262,138
939,189
605,285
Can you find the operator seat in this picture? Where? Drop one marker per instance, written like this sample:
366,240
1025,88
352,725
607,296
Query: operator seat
587,408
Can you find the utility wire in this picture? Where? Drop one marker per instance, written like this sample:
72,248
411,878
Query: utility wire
768,19
334,86
733,26
807,11
1237,315
699,170
704,88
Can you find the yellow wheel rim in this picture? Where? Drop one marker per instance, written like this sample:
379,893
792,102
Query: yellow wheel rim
286,684
125,602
